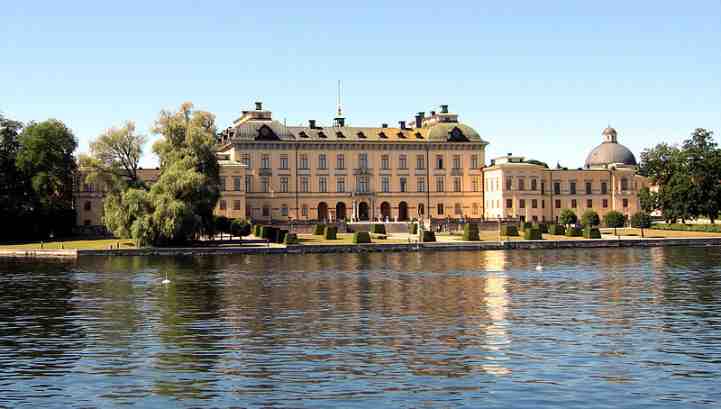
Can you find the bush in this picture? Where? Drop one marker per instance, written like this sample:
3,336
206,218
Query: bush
573,231
239,227
525,226
509,230
591,233
556,229
318,229
428,236
222,224
378,236
290,238
361,237
378,228
470,232
567,217
543,227
413,228
281,236
532,234
614,219
709,228
257,230
641,220
330,232
590,218
268,233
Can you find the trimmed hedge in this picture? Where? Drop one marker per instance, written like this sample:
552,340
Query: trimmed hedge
257,230
290,238
532,234
428,236
509,230
266,232
591,233
281,236
413,228
361,237
709,228
378,228
557,229
470,232
319,229
525,226
543,227
574,231
330,232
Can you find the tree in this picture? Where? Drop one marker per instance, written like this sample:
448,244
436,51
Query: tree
647,199
115,157
614,219
567,217
178,207
590,218
46,155
222,225
703,165
240,227
641,220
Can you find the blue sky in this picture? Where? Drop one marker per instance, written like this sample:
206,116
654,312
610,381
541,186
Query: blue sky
540,79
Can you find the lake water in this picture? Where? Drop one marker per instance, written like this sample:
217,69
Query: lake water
595,328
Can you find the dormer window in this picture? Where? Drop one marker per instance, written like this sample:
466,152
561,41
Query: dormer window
418,135
361,135
321,135
302,134
401,135
382,135
339,135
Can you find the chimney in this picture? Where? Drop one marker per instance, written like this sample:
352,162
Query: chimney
444,109
384,125
419,119
433,113
258,106
311,123
402,124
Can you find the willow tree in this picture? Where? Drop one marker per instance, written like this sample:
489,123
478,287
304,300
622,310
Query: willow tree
178,207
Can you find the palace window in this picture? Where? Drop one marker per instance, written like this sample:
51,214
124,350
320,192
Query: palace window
439,184
439,208
456,184
476,183
439,161
509,184
604,188
420,162
534,203
509,203
421,184
264,184
534,184
284,210
249,184
588,188
304,184
340,184
266,211
385,184
543,203
385,163
323,184
236,183
543,187
605,203
236,204
457,209
521,184
284,184
625,203
402,162
363,160
572,188
558,204
222,183
265,161
574,204
474,209
474,161
404,183
340,161
456,161
589,203
521,203
363,184
284,162
245,159
624,184
556,188
88,206
222,205
322,162
304,210
303,161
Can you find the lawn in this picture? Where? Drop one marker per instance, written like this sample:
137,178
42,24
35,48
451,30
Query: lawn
95,244
653,233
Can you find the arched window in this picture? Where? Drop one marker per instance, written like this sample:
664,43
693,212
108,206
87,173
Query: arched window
474,209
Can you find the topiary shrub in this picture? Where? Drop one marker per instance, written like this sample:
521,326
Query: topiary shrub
268,233
361,237
590,218
281,235
591,233
330,232
532,234
318,229
556,229
573,231
525,226
567,217
543,227
428,236
509,230
290,238
257,230
378,228
413,228
239,227
470,232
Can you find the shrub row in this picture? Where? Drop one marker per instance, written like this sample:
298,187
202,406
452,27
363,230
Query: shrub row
557,229
574,231
532,234
378,228
591,233
509,230
470,232
361,237
710,228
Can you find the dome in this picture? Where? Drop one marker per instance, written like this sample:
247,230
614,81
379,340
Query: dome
609,152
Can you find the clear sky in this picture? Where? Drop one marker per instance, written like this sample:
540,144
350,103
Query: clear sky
536,78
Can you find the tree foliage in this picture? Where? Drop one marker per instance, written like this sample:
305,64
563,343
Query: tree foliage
178,207
614,219
567,217
590,218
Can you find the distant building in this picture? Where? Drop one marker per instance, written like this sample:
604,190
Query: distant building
429,167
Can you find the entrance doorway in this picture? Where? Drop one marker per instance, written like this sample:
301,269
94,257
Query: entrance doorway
363,211
322,211
402,211
385,211
340,211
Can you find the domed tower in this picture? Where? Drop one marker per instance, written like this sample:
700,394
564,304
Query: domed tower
610,152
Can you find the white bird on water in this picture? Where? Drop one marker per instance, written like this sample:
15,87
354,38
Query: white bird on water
166,281
539,267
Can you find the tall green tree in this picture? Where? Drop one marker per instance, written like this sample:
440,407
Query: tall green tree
648,200
590,218
703,165
114,158
614,219
567,217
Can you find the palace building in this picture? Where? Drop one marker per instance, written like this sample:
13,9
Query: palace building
429,167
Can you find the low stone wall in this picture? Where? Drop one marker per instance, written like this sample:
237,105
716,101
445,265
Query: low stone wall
22,253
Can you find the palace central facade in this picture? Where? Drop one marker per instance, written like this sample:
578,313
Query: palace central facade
429,167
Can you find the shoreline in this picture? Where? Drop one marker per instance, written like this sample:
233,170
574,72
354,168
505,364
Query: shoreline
365,248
